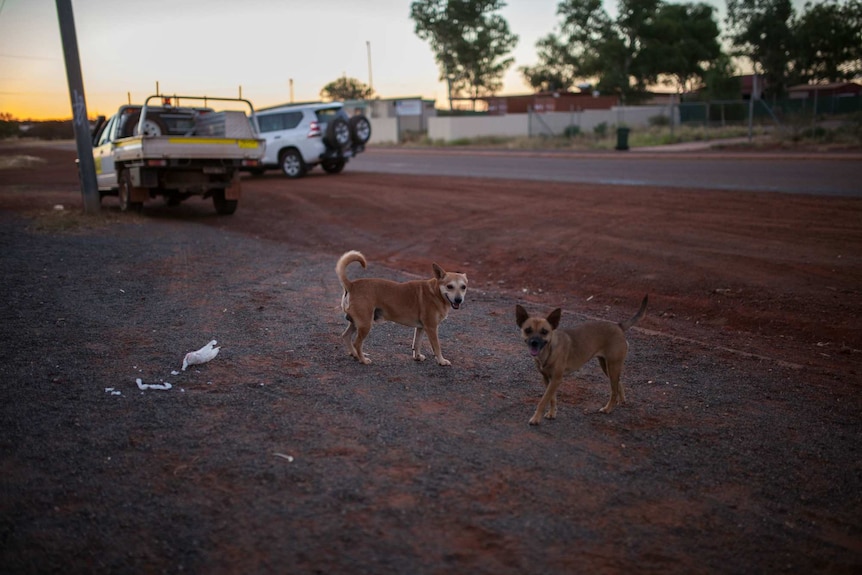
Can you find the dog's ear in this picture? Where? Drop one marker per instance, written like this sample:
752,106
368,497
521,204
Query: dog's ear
521,315
554,318
439,273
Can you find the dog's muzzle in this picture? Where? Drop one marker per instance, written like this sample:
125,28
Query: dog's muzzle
536,344
457,303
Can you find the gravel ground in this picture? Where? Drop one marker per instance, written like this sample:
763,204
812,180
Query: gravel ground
738,450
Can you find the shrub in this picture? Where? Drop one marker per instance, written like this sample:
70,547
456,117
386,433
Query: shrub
601,130
659,121
572,131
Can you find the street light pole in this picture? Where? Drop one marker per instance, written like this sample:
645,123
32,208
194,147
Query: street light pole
370,82
80,123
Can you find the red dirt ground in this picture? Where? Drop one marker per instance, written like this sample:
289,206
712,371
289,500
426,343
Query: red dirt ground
738,450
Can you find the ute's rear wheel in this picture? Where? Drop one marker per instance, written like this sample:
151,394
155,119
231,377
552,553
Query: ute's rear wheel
292,164
125,193
223,207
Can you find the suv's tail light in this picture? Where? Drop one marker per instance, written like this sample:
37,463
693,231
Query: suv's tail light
314,129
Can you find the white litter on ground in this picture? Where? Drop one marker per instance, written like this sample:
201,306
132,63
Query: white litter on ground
145,386
203,355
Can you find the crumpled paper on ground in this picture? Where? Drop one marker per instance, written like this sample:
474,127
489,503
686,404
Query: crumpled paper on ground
203,355
145,386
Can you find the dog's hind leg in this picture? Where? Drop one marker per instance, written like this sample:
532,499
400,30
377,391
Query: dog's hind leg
417,343
347,336
361,333
618,395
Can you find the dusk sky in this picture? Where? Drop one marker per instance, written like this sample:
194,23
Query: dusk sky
212,47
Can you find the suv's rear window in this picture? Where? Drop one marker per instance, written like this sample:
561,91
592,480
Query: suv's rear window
280,121
326,114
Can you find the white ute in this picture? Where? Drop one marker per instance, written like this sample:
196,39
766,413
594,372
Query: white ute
163,148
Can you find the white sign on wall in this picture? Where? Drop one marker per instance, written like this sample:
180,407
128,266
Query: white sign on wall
408,108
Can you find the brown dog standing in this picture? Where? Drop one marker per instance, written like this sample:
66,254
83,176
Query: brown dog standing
561,351
421,304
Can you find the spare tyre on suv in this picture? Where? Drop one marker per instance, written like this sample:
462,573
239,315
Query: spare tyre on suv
301,136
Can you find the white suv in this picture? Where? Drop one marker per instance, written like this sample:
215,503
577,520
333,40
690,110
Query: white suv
298,137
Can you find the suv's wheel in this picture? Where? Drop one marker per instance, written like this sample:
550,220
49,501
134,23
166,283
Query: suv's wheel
333,166
292,164
337,134
125,193
360,129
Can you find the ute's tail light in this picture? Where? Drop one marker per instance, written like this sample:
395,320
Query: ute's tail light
156,163
250,163
314,129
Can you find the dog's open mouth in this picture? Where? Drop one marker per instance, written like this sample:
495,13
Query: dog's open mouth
535,347
455,305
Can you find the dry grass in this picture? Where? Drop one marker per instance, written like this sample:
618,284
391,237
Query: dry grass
63,220
20,161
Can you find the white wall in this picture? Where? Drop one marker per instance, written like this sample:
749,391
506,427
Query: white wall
448,128
384,130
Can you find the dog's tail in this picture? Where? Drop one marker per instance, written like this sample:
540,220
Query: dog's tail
341,267
636,317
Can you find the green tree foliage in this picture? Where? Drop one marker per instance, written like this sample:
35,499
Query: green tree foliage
679,44
470,41
762,31
575,52
346,89
556,70
648,40
8,125
721,81
829,41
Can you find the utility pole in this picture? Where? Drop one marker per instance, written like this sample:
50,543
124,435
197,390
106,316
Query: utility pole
80,123
370,82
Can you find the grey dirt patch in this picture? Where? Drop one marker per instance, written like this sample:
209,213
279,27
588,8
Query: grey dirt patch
285,455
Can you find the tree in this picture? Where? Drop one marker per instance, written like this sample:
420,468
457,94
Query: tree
470,43
679,44
346,89
8,125
829,42
721,81
574,53
555,71
591,46
762,31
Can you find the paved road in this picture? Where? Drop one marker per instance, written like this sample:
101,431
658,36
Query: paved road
796,174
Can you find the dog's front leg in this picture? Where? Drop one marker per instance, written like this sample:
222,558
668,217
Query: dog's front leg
435,345
548,399
417,342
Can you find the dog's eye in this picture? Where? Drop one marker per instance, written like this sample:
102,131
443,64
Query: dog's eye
528,331
450,287
544,331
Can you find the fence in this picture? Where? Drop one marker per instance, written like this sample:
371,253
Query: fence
713,114
736,112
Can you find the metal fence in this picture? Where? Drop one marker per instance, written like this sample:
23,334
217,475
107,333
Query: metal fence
736,112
